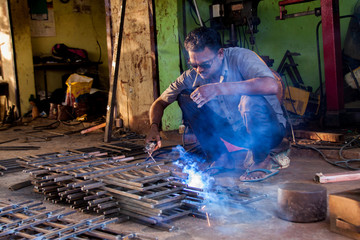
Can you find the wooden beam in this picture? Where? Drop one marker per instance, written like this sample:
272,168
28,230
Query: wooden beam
322,136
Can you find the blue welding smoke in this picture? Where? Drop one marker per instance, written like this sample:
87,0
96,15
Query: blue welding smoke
189,163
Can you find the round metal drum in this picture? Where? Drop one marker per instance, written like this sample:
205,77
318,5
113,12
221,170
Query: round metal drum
300,202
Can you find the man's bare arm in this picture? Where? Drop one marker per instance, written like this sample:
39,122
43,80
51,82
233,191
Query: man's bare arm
254,86
156,113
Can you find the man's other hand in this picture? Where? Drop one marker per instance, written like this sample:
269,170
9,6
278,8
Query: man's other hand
204,93
154,136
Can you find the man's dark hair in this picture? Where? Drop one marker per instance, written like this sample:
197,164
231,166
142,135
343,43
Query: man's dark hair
202,37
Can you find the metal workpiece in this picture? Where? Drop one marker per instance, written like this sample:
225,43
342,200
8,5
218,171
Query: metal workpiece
34,223
112,183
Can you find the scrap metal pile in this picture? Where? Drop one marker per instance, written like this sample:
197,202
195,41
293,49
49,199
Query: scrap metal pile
9,165
113,185
30,220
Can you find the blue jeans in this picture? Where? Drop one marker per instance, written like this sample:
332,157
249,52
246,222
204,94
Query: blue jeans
259,130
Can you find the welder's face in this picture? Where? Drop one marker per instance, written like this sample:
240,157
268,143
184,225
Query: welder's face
206,62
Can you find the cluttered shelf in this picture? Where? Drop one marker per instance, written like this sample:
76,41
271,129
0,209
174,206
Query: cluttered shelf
71,66
64,65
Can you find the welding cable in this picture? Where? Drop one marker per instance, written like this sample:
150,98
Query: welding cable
169,149
99,60
53,125
289,121
347,161
344,163
71,124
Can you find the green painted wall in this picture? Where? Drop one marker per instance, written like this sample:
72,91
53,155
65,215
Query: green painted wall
273,39
168,55
78,30
297,35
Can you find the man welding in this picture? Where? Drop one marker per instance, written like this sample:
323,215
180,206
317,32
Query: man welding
228,95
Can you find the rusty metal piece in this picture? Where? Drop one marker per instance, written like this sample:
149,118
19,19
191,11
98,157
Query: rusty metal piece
300,202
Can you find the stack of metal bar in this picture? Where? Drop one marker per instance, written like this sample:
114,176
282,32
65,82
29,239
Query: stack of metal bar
29,220
93,181
10,165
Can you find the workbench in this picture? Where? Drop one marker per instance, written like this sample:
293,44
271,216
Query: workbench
70,67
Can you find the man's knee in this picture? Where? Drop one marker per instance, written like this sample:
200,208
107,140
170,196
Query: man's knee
252,104
259,117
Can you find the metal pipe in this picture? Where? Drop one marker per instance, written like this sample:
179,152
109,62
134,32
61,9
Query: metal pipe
198,14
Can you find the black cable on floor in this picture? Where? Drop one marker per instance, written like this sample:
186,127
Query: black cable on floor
344,163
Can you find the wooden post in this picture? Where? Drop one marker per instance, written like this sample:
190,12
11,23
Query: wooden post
114,77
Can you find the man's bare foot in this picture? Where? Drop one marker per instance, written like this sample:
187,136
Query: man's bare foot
251,174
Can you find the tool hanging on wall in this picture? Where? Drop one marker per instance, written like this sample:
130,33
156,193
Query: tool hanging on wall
283,13
231,15
114,78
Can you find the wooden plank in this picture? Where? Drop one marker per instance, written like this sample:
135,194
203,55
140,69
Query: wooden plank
322,136
337,177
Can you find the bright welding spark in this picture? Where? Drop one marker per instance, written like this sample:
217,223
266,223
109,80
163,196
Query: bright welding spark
208,219
189,165
207,216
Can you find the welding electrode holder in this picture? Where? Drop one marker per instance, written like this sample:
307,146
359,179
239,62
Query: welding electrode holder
150,146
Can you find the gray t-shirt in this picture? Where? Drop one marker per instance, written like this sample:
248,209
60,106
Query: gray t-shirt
239,64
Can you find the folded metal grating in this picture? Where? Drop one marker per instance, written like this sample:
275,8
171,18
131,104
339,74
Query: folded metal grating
29,220
114,149
145,191
110,185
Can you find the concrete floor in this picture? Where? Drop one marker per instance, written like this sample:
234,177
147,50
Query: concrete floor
254,221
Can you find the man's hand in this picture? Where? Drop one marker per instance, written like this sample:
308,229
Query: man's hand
154,136
204,93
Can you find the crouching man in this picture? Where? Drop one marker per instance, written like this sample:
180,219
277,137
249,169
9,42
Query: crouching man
228,94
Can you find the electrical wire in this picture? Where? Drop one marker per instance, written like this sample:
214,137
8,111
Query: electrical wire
344,163
99,60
